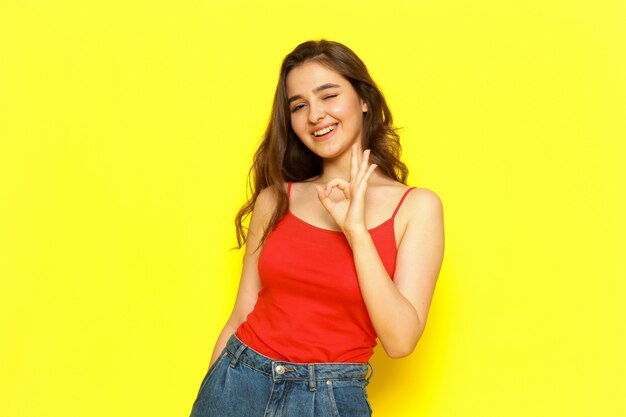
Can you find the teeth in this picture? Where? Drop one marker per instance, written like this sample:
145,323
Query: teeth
324,131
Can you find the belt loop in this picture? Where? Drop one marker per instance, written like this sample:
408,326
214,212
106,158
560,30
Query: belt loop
371,373
312,377
235,358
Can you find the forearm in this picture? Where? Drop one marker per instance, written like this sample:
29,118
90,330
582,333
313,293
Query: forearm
222,339
394,318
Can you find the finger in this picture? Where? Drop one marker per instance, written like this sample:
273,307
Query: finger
362,188
369,173
326,202
354,163
363,167
359,152
343,185
321,194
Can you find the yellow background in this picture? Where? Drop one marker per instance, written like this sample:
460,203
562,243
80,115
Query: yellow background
126,133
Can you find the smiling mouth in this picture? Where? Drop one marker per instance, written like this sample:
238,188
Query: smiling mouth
324,131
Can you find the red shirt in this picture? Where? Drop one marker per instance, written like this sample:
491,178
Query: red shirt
310,308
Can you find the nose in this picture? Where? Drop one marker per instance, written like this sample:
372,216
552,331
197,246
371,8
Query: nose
316,113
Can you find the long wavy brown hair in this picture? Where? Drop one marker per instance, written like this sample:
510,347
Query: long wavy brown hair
283,157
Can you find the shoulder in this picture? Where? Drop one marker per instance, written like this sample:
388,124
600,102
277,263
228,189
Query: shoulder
421,205
420,220
264,207
268,198
424,199
424,208
415,197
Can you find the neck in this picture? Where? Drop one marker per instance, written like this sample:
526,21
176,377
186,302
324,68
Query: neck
336,168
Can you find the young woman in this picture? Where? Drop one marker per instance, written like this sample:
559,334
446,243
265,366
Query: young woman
339,252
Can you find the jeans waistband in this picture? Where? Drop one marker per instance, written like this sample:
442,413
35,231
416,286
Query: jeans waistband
283,370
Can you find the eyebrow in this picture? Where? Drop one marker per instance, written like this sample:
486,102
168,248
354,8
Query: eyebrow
315,91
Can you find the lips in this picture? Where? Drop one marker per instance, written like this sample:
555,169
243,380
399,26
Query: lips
324,130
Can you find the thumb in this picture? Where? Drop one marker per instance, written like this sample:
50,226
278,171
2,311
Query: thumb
321,194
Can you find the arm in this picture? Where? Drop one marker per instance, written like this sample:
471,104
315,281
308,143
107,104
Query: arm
399,308
249,284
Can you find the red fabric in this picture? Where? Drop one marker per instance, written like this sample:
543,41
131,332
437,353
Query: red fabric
310,307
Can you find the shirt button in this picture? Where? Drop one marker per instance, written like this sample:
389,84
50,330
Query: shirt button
280,369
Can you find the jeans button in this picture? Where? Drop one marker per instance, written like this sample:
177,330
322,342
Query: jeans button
280,369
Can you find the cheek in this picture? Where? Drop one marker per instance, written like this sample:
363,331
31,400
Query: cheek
298,124
299,120
337,108
345,110
294,122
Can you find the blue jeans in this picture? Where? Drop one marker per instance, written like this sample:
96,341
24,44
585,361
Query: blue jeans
244,383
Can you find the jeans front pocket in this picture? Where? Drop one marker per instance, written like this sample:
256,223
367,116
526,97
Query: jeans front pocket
367,401
211,370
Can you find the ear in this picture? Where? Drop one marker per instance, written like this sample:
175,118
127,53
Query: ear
363,106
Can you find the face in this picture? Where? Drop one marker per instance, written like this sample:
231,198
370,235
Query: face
326,112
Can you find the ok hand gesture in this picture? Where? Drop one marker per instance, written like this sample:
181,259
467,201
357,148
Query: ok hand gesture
349,213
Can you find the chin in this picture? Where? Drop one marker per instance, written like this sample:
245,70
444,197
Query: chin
329,151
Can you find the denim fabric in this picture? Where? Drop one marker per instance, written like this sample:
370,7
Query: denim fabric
244,383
